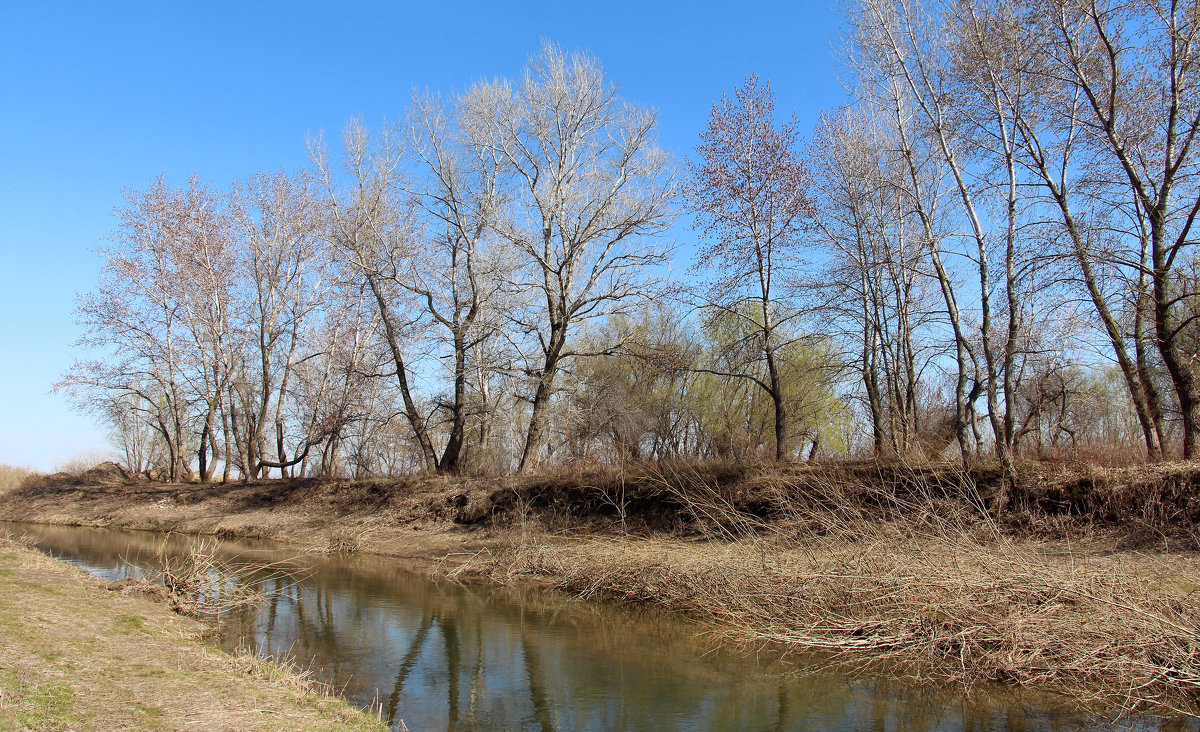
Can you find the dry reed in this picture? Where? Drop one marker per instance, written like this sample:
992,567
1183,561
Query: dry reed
201,582
904,581
12,477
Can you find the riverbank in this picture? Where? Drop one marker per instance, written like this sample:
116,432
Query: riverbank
76,656
1086,587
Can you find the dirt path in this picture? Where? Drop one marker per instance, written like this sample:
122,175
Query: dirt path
77,656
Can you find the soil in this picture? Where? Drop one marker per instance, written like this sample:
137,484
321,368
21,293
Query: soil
1140,507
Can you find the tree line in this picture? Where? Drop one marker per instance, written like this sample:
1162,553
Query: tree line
987,251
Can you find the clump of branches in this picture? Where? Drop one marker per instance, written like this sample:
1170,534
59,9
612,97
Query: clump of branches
202,582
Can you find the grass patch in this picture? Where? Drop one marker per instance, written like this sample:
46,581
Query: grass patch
32,701
131,624
49,702
96,677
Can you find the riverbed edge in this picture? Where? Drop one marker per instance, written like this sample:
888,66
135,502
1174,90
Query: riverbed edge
79,656
928,638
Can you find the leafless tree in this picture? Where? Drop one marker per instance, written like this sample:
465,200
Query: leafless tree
459,274
277,218
591,195
378,235
876,272
749,191
1134,70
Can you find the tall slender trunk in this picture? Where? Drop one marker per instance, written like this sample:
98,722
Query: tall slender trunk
1179,365
777,401
428,455
450,456
535,438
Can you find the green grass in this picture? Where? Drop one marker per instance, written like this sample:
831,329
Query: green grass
131,624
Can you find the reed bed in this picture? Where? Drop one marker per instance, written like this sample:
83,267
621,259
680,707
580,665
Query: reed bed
12,477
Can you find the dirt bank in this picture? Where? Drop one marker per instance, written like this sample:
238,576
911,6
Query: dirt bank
76,656
1087,585
1136,507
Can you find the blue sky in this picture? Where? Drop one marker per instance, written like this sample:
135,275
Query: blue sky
98,97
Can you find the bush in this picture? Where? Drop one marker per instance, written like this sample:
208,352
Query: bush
12,476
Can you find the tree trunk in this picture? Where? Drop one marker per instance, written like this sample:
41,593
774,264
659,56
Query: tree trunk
428,455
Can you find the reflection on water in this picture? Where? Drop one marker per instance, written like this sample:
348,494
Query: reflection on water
439,655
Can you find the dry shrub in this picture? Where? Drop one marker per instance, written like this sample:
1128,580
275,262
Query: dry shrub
345,539
12,477
105,473
82,462
906,581
201,582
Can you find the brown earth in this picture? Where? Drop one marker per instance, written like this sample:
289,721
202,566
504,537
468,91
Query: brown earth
1136,507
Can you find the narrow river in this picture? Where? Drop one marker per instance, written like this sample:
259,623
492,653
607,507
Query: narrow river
435,655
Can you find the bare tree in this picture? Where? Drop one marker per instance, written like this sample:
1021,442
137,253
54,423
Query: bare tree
378,236
139,317
277,218
1134,69
749,193
592,191
458,275
875,272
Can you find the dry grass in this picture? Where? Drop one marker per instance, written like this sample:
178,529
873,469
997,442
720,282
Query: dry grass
82,462
886,565
933,591
12,476
200,582
77,657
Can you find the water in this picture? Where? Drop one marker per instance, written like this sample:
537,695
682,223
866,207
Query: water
437,655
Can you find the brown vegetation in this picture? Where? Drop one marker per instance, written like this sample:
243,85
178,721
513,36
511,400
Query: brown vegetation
12,476
1113,633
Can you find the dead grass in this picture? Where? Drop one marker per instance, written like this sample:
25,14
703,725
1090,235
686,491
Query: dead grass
201,582
76,657
891,566
81,462
12,476
905,581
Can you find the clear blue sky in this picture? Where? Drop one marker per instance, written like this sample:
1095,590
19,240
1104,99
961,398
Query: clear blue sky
96,97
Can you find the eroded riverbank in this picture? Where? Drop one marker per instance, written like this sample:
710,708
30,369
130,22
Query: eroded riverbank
484,656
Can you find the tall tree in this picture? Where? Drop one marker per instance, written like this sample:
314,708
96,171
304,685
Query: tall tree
375,232
592,194
459,273
749,191
1135,70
